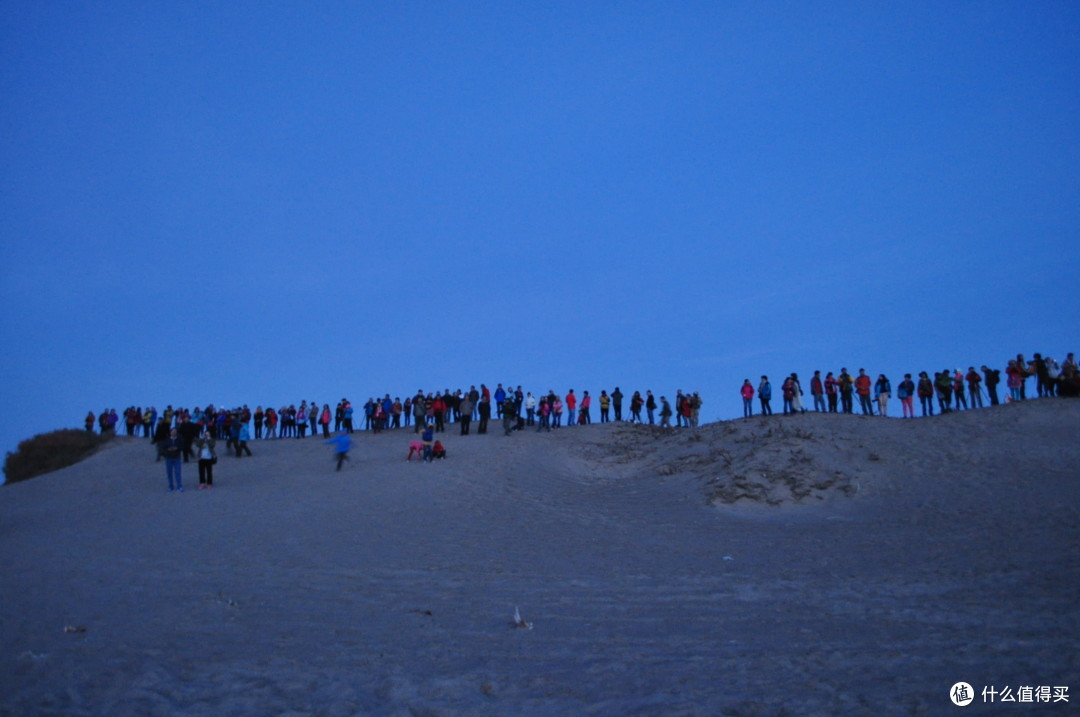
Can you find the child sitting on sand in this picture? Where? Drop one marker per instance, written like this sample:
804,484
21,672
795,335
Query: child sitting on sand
438,451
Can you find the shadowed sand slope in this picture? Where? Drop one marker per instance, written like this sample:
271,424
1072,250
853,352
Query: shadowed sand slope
800,565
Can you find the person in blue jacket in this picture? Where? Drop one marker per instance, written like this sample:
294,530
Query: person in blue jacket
764,392
341,443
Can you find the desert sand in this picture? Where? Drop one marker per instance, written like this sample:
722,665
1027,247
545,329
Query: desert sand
814,564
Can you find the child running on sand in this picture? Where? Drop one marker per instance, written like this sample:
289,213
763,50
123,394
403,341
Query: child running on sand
341,447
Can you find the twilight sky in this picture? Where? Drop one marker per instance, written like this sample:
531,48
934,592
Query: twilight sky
266,202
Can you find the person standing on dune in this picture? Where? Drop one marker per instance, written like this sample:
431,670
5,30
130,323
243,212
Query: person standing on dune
817,390
926,394
747,392
665,413
882,390
847,387
904,392
764,391
862,388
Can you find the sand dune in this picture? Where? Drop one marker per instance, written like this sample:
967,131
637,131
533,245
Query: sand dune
815,564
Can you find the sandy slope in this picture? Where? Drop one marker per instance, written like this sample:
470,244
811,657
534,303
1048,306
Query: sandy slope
864,566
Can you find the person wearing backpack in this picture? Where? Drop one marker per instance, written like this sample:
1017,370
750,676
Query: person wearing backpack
926,394
943,384
904,392
847,388
974,391
993,378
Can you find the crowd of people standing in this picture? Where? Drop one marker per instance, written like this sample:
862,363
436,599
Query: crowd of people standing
517,409
950,389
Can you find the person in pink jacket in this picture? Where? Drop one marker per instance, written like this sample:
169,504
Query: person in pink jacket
747,392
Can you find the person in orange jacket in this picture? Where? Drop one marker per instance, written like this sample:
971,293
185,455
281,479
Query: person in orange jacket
862,388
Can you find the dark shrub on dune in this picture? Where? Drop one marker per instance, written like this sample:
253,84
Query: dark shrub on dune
48,452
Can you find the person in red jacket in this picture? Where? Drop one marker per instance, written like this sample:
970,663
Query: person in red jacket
862,388
832,390
571,408
747,392
439,408
817,390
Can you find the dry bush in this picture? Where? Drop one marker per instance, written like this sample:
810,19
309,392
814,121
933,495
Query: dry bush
49,452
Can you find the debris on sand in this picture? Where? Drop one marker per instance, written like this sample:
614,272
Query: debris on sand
519,622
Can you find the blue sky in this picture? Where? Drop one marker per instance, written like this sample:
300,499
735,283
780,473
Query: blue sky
268,202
